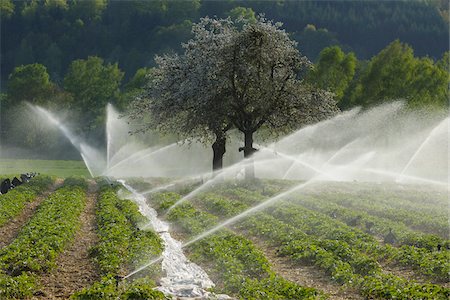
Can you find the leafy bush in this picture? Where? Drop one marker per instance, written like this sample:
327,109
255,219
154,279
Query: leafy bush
106,289
142,289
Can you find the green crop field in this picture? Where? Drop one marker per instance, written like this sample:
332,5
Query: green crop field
326,241
59,168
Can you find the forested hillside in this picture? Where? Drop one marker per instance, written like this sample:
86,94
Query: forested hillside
77,56
56,32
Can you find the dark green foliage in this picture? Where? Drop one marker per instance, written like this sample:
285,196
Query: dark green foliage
333,71
106,289
66,54
131,32
395,73
312,40
93,84
142,289
29,83
366,26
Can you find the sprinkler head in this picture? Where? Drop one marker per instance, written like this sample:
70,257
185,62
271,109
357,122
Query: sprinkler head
118,279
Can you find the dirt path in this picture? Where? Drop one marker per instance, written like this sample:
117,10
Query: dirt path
304,275
10,230
75,270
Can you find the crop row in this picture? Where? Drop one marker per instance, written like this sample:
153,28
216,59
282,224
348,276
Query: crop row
372,224
378,225
431,263
435,222
38,244
238,265
234,199
406,196
340,260
395,200
419,251
418,220
121,247
434,264
12,203
428,261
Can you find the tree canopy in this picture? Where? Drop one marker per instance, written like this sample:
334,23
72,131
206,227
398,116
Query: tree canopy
395,74
93,84
29,83
334,71
132,32
241,73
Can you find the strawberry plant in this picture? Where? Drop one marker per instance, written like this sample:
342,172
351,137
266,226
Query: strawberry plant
12,203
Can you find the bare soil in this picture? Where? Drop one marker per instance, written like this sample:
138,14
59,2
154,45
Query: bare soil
10,230
305,275
409,274
75,269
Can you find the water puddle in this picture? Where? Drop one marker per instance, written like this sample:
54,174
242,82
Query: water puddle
183,279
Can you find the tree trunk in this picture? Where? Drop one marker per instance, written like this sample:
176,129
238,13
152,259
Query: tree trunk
248,151
218,152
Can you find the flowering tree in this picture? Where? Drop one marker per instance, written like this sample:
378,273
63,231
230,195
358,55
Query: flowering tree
263,68
242,74
184,93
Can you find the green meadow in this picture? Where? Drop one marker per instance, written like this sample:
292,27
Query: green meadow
59,168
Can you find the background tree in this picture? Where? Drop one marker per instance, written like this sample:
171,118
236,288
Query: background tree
242,13
396,74
313,40
20,126
333,71
387,76
135,87
430,86
29,83
132,32
93,84
6,8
